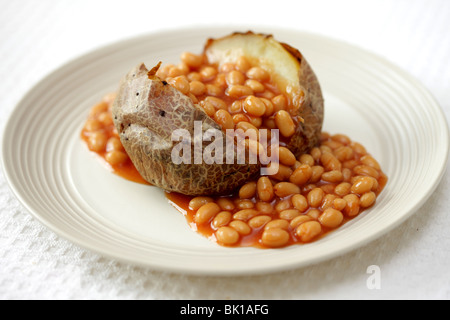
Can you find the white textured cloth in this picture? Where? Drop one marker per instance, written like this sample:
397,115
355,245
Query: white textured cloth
37,37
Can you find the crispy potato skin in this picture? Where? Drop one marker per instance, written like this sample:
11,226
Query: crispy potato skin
311,111
146,112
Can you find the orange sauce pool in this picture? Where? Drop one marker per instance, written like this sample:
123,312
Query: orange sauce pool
101,137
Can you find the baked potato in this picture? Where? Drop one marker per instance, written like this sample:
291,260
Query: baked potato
147,110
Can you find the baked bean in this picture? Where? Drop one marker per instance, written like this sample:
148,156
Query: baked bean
308,230
286,157
116,157
317,172
225,204
331,218
289,214
332,144
299,202
366,171
194,76
285,123
314,213
227,235
208,108
333,176
307,159
342,189
245,214
246,126
316,153
224,119
208,73
221,219
180,83
279,102
327,200
213,90
197,88
299,220
264,207
242,64
240,117
98,108
236,107
277,224
244,204
367,199
259,221
362,185
97,141
175,72
315,197
359,148
248,190
343,153
105,118
301,175
275,237
284,189
339,204
269,110
342,138
370,161
257,73
197,202
284,172
241,227
92,125
330,162
255,85
206,212
239,91
256,121
264,189
114,144
254,106
346,174
192,60
227,67
352,207
235,77
217,103
282,205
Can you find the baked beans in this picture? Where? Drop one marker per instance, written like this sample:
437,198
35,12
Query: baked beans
300,204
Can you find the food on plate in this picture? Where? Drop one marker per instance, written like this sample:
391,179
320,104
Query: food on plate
242,81
255,93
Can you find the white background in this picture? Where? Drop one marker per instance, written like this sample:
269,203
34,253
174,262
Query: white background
36,37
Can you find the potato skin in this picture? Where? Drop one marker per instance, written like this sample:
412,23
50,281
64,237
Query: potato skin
311,111
146,111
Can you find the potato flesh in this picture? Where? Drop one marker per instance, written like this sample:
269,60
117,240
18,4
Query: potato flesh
261,51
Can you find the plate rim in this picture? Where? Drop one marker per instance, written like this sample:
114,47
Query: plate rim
124,41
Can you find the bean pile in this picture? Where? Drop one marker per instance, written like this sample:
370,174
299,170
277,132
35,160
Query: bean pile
307,198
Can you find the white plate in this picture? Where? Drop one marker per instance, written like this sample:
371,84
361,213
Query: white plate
65,187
